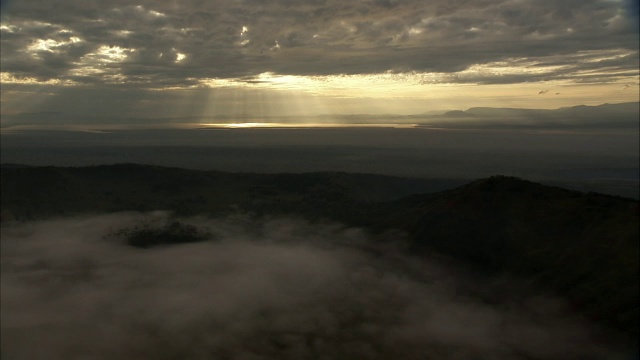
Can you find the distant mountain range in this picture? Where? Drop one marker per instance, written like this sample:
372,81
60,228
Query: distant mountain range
582,246
623,115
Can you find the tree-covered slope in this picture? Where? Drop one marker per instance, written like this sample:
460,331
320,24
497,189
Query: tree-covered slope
583,246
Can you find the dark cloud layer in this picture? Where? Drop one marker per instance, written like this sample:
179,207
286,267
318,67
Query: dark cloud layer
177,43
273,289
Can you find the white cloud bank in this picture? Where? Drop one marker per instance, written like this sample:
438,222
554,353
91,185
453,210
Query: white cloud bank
273,289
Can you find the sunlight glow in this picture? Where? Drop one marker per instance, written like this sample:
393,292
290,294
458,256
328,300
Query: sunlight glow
123,33
156,13
8,78
8,28
509,67
51,45
152,13
110,54
253,125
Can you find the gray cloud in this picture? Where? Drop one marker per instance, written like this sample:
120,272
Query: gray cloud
312,37
269,289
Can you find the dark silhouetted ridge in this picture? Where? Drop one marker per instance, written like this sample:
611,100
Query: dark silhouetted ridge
583,246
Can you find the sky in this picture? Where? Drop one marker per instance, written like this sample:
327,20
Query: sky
201,61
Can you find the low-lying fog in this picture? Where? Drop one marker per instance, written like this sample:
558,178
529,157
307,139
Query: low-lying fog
269,289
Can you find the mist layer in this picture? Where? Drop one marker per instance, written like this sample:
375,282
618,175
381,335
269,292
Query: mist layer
267,289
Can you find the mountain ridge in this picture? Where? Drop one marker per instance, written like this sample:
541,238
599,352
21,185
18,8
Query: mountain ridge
478,110
621,115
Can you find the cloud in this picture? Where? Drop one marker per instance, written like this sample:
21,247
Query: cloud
228,40
268,289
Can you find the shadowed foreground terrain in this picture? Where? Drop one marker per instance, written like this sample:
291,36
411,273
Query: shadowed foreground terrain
500,267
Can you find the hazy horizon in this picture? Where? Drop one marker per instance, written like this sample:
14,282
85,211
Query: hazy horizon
563,117
462,90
